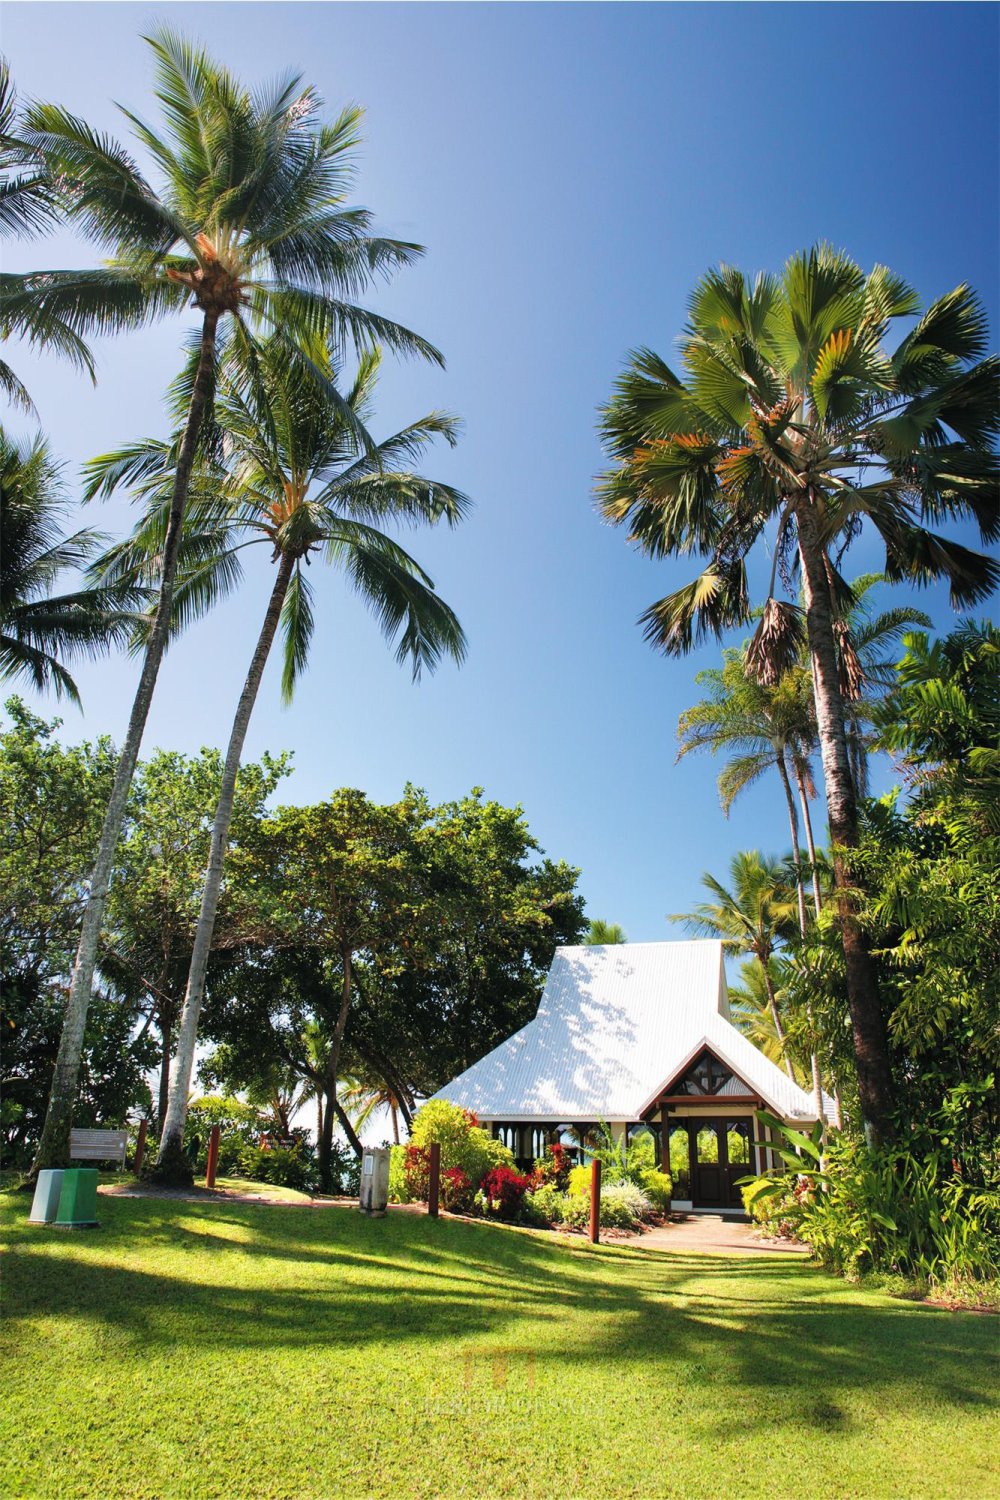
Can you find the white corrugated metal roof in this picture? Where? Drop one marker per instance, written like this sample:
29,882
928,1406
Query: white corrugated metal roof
614,1025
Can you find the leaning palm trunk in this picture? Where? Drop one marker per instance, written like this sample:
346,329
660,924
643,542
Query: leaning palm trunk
870,1042
172,1165
793,824
810,842
53,1147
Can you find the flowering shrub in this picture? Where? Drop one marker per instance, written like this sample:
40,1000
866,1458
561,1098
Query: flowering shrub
553,1168
503,1190
456,1189
462,1139
416,1172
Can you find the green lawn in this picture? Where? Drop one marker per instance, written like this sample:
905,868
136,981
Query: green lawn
243,1350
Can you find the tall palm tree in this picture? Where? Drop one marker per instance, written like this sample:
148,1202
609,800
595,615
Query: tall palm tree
295,478
751,916
600,933
28,205
248,226
39,629
750,1007
794,416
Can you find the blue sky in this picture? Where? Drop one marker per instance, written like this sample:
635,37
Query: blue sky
572,170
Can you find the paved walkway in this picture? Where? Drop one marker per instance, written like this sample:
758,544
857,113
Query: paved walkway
713,1234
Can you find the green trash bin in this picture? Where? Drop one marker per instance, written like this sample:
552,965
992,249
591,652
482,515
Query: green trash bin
78,1199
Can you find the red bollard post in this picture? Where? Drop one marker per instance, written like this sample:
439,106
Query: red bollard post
213,1156
140,1146
434,1184
595,1201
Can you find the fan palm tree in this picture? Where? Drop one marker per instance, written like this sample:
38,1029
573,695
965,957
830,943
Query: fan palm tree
600,933
249,226
40,630
294,478
795,416
752,916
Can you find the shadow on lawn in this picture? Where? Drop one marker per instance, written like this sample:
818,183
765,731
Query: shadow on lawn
787,1336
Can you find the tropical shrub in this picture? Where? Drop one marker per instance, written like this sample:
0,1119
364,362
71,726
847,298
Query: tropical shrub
292,1167
578,1185
463,1141
241,1126
623,1206
456,1189
885,1211
554,1167
503,1192
543,1205
398,1187
658,1187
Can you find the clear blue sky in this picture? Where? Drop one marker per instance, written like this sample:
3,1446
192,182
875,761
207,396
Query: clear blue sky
573,170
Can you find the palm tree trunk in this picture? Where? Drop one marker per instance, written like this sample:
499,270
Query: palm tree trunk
53,1147
810,843
172,1164
779,1030
871,1049
793,824
394,1115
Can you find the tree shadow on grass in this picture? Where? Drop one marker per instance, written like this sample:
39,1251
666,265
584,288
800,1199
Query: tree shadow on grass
793,1342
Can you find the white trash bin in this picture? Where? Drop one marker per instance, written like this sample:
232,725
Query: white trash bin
374,1180
45,1204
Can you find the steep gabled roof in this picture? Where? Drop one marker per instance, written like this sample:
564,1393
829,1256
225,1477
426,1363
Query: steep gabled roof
614,1025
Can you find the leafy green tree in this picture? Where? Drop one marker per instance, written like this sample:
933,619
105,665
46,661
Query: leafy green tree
793,415
600,933
52,798
249,225
334,881
41,629
753,915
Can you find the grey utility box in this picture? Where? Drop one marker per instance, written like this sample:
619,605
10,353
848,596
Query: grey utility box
45,1204
374,1179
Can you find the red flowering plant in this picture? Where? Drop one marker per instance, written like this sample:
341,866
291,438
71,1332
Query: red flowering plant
503,1192
552,1169
456,1189
417,1171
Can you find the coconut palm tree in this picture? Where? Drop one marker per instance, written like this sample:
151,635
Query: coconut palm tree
794,416
363,1097
753,915
750,1006
28,205
600,933
294,477
39,629
248,226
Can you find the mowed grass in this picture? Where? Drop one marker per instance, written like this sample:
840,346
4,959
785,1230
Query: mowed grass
226,1350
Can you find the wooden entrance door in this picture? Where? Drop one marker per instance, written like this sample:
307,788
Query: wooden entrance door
720,1156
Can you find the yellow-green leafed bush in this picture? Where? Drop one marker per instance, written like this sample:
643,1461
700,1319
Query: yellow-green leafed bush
658,1187
463,1141
579,1181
